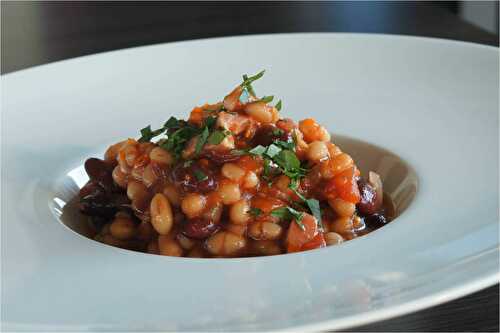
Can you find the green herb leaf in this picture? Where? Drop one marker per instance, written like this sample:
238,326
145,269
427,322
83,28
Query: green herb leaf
199,175
313,205
278,105
287,160
177,140
288,213
247,82
172,122
188,163
267,99
267,170
146,134
216,137
239,152
294,184
202,139
255,211
245,94
272,150
278,132
210,122
290,145
257,150
281,213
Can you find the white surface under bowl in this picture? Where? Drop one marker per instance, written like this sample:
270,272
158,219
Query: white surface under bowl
433,103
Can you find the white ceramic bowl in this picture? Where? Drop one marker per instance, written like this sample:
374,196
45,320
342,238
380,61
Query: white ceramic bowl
429,106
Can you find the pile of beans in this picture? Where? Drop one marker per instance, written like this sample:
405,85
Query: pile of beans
144,198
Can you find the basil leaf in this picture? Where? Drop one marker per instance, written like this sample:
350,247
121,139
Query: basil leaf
272,150
172,122
278,105
281,213
202,139
290,145
248,80
239,152
199,175
278,132
288,213
267,99
313,205
257,150
245,95
210,122
216,137
294,184
147,134
296,214
287,160
267,169
177,140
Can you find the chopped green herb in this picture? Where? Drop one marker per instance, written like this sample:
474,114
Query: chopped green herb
294,184
272,150
267,169
278,105
202,139
210,122
216,137
255,211
147,134
313,205
176,141
172,122
239,152
290,145
247,82
288,161
267,99
257,150
278,132
245,95
281,213
199,175
188,163
288,213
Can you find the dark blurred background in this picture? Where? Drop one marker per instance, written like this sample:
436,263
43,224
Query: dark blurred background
34,33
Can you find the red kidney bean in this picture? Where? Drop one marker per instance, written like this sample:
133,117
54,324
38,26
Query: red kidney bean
92,188
96,201
99,171
220,156
375,221
368,204
199,228
97,205
266,134
188,178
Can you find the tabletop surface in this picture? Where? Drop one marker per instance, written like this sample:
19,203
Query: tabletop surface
38,33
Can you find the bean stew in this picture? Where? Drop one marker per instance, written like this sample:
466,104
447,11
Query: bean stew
234,180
